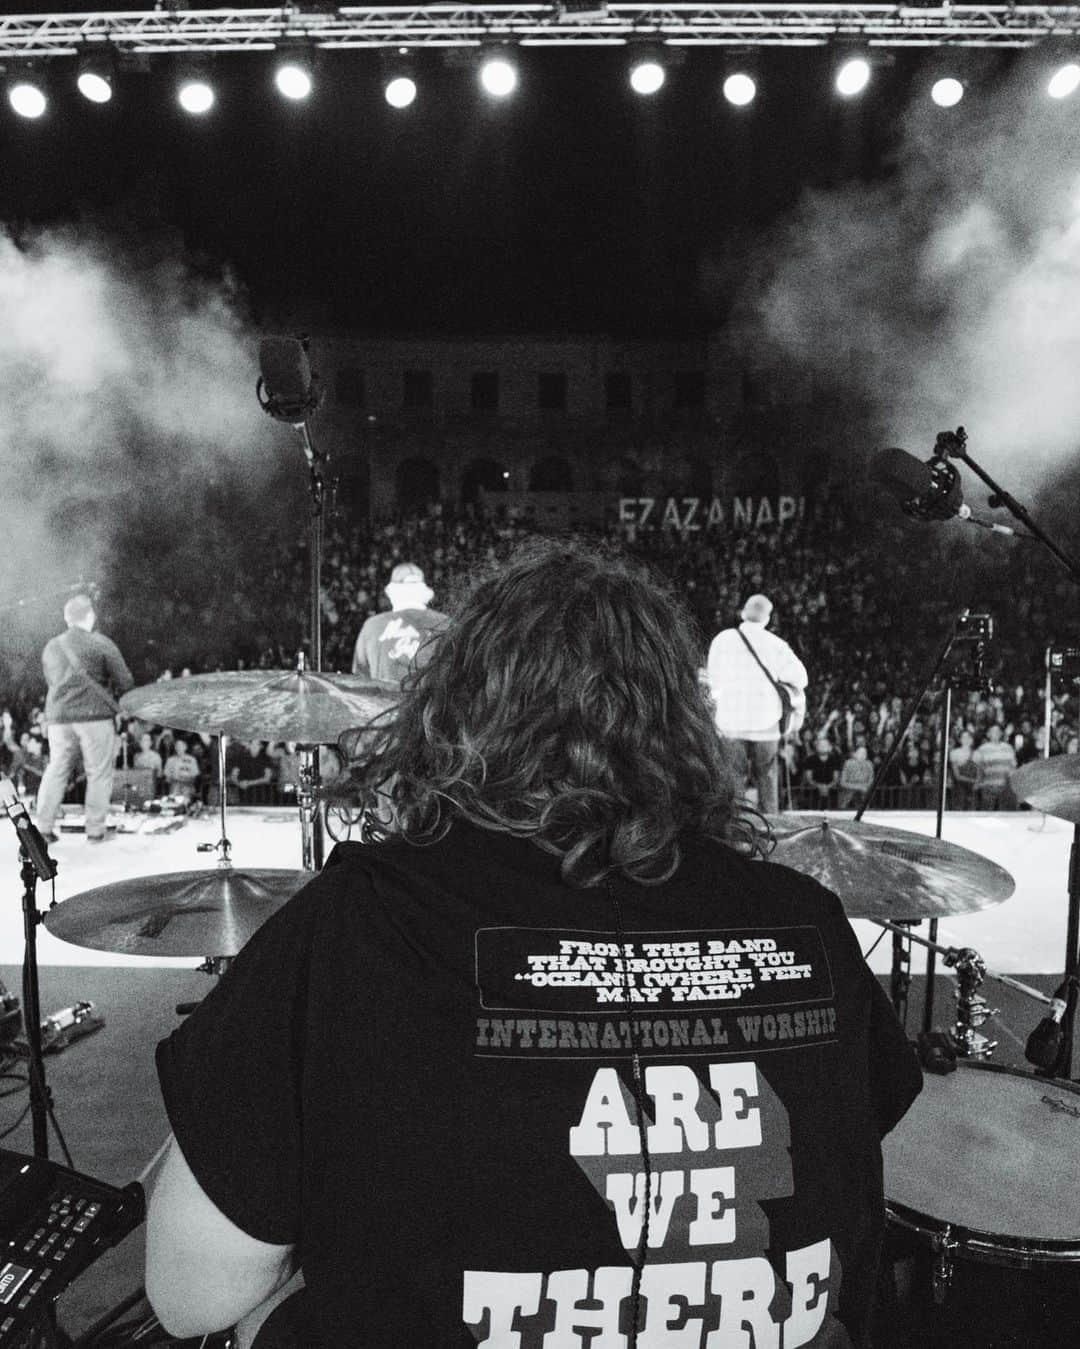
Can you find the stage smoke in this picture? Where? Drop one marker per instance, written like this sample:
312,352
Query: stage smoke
126,420
949,292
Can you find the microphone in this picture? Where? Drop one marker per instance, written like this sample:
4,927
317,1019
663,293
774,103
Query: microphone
30,839
286,389
929,491
1043,1046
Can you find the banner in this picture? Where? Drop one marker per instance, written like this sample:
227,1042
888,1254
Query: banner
693,514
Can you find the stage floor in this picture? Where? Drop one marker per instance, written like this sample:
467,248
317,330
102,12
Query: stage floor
1025,935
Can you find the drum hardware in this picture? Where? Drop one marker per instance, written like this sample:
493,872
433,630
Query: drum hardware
944,1245
972,1009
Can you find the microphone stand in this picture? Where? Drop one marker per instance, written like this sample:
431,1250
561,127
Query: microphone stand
311,818
35,864
900,976
954,444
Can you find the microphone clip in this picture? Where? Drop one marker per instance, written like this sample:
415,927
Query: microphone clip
943,498
951,443
294,412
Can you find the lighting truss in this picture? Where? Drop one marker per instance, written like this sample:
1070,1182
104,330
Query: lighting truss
173,28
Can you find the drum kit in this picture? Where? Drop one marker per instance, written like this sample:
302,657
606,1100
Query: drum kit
966,1171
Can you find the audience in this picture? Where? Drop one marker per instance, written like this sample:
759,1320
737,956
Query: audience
866,613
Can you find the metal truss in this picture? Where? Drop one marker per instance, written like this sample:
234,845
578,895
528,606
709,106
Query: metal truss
173,29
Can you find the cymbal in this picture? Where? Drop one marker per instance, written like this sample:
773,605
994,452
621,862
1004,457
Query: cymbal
1050,785
180,913
880,872
297,705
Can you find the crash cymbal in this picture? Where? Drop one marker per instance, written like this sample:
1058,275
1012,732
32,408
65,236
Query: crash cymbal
181,913
880,872
1050,785
296,705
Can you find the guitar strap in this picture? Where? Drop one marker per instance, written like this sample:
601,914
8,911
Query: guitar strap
79,668
781,691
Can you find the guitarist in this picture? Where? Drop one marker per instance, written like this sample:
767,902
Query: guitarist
85,673
758,686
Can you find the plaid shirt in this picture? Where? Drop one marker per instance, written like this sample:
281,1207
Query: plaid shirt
747,705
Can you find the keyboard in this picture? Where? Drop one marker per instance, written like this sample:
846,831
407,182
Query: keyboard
54,1223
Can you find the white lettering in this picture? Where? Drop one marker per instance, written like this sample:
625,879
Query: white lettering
605,1127
569,1288
503,1295
625,1192
735,1086
746,1289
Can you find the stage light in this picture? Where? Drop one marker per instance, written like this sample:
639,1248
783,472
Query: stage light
647,77
293,81
740,89
1064,81
498,76
27,99
400,91
196,97
947,92
94,86
853,76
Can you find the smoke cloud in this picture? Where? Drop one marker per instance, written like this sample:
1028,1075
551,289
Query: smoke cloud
949,293
127,409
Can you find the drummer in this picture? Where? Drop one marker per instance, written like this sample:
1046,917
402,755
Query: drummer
450,1077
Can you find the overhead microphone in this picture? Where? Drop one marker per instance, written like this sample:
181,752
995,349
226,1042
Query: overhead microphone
926,491
287,389
30,837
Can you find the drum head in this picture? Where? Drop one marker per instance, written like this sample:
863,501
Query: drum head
991,1148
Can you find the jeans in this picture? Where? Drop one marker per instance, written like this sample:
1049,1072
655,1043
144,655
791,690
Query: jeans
761,761
96,742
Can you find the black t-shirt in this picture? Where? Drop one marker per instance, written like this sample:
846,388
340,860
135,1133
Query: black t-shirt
824,769
419,1072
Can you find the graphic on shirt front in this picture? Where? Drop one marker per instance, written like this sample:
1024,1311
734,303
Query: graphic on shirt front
404,639
719,1148
552,993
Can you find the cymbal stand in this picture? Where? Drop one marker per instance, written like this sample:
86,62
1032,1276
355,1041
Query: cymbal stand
222,847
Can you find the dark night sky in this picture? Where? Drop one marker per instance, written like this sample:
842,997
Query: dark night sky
574,205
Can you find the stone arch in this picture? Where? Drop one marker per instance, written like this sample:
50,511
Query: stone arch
482,473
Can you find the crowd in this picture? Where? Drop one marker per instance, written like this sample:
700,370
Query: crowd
866,613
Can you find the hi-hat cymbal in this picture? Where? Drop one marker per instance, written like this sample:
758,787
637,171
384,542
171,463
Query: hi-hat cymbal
181,913
297,705
880,872
1050,785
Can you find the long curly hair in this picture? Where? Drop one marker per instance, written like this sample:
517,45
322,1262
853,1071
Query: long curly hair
562,704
